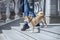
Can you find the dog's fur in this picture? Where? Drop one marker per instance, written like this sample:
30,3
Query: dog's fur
40,17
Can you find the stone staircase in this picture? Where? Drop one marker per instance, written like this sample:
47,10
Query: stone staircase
12,31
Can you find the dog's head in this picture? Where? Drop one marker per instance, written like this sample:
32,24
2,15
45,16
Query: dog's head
28,18
40,14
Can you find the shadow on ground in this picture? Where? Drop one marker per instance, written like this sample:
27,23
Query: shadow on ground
7,26
0,31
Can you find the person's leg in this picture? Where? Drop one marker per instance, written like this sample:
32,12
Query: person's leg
25,26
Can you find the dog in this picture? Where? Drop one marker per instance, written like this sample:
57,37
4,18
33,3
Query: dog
34,21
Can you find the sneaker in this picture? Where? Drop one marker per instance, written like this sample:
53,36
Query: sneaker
25,27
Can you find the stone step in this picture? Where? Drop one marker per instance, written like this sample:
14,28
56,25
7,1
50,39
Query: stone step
55,29
43,31
51,34
38,36
23,35
12,35
2,37
17,30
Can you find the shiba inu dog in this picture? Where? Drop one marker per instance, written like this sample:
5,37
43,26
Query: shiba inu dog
34,21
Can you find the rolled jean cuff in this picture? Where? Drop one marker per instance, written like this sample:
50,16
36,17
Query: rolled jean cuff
25,22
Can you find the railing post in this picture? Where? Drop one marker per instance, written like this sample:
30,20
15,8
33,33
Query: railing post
16,9
7,13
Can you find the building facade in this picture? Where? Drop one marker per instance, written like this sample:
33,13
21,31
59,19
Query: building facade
51,9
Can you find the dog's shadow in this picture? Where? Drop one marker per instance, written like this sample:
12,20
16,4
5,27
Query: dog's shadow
47,26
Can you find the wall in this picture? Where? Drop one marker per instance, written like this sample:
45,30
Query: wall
59,7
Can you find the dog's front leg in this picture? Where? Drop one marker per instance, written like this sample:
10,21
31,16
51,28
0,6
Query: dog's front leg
44,21
32,27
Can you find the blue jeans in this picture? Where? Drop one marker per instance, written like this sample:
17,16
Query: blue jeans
31,14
